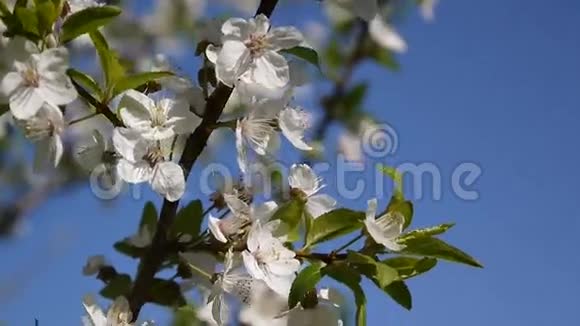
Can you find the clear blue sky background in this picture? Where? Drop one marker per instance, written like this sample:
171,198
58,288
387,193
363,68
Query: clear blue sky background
493,82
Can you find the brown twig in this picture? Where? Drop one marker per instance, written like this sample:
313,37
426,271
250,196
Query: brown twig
194,146
100,108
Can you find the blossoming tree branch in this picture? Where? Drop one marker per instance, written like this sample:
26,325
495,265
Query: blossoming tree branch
248,256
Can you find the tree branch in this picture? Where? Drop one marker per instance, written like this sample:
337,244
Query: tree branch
194,146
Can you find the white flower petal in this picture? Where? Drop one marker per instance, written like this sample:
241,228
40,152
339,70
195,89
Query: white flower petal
25,103
270,70
232,61
129,144
95,314
285,37
320,204
168,180
385,36
135,109
303,177
214,227
134,172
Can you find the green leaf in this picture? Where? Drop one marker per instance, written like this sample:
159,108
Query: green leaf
4,11
386,59
28,20
354,98
46,14
119,286
290,213
129,250
166,293
334,224
20,4
381,274
134,81
305,53
428,232
86,21
408,267
304,282
397,177
185,316
349,277
399,292
404,207
112,68
86,81
149,218
188,220
4,108
436,248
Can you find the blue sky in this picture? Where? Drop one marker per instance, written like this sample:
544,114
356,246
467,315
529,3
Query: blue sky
491,82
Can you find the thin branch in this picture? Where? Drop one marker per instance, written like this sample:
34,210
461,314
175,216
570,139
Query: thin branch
100,108
194,146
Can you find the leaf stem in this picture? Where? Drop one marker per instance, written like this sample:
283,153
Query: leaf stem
348,244
92,115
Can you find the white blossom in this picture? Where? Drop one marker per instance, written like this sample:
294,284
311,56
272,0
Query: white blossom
385,36
250,52
268,260
242,216
232,281
45,129
365,9
303,178
97,155
386,229
265,308
36,78
350,145
94,265
255,131
146,161
156,120
118,314
294,122
324,313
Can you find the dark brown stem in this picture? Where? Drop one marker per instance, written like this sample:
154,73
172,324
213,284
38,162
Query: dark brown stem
194,146
100,108
326,258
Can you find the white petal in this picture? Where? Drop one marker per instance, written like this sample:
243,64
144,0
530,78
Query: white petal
365,9
232,61
279,284
271,70
293,129
242,156
303,177
284,267
385,36
168,180
119,311
89,150
53,61
135,110
96,315
129,144
237,206
25,103
211,53
183,120
320,204
236,27
372,209
262,24
58,91
10,83
377,233
264,212
220,310
134,172
252,266
285,37
214,227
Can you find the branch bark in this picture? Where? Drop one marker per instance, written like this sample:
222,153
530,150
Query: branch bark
194,146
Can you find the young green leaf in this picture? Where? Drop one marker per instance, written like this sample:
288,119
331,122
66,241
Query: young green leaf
381,274
166,293
397,180
86,21
306,54
304,282
436,248
185,316
408,267
402,206
290,213
149,217
351,278
28,20
428,232
188,220
86,81
119,286
112,68
46,13
334,224
134,81
399,292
